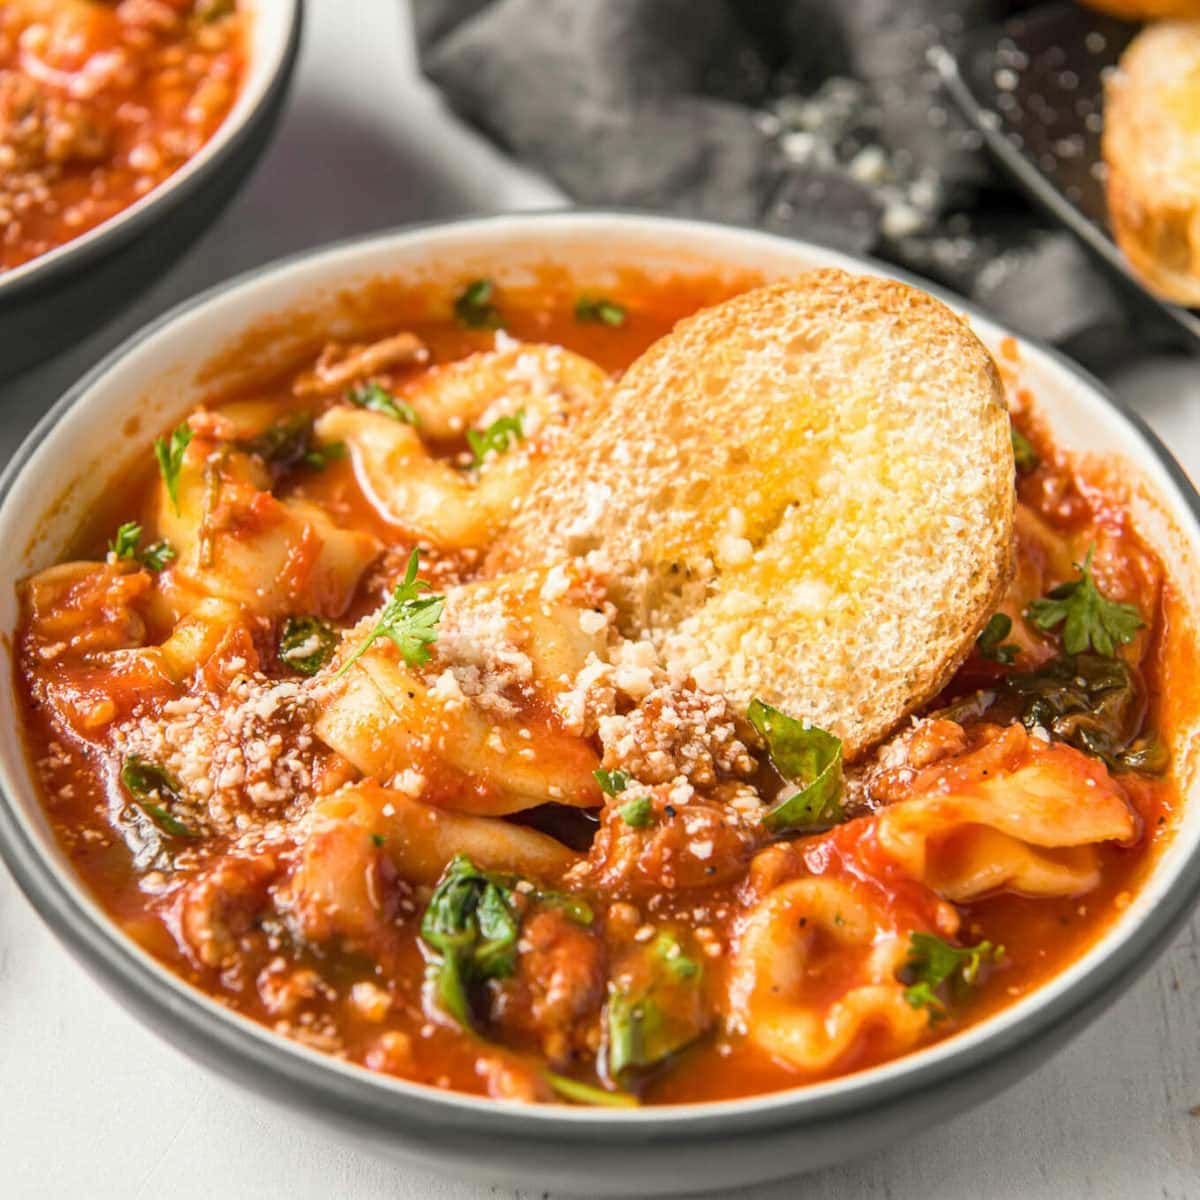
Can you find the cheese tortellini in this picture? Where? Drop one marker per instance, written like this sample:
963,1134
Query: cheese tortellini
1031,823
816,970
236,541
542,388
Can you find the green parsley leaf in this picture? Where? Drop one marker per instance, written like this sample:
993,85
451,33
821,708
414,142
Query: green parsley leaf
374,397
499,437
808,757
657,1009
408,619
1024,454
151,787
471,927
377,839
637,813
169,452
994,633
125,544
319,457
612,783
306,644
932,962
606,312
586,1093
474,307
157,555
1089,619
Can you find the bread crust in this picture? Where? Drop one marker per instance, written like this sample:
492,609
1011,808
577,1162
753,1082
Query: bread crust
1146,10
1151,145
803,494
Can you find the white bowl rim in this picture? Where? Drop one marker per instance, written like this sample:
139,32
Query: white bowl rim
345,1090
264,79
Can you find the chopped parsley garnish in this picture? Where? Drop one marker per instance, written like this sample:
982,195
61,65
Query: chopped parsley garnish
152,789
805,756
612,783
637,813
597,308
157,555
1024,454
498,438
306,644
125,545
408,619
169,453
474,307
374,397
471,926
319,457
932,962
586,1093
991,642
1088,618
377,839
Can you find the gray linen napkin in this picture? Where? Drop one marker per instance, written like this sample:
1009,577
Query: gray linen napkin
813,118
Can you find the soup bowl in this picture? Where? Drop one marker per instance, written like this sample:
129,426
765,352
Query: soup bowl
55,299
106,421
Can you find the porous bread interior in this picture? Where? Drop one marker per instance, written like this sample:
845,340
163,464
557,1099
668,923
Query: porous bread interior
1151,144
803,494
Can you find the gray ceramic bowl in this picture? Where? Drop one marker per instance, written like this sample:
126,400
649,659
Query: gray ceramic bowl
58,297
156,377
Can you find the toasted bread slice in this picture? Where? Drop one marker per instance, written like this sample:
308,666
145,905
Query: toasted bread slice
1151,144
803,494
1146,10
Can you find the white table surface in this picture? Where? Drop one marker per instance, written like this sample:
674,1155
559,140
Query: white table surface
92,1105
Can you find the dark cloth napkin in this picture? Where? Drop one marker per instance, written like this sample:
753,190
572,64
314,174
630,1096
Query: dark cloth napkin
815,118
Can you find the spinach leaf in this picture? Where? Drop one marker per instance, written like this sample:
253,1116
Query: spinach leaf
471,926
808,757
586,1093
306,644
1093,703
655,1010
600,310
152,788
991,641
283,444
474,308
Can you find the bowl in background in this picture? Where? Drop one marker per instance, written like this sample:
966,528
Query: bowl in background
62,295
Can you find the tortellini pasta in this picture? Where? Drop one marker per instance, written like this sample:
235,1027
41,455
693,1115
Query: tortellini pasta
465,744
815,971
1020,814
544,386
333,888
237,542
